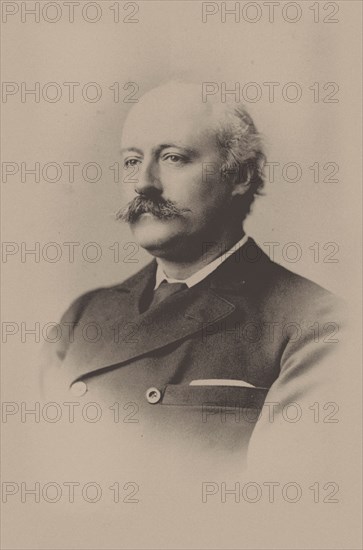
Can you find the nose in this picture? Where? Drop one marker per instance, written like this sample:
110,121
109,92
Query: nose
148,178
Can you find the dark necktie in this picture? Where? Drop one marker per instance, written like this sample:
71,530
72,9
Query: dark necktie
165,290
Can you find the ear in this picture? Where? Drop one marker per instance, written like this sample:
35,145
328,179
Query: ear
242,182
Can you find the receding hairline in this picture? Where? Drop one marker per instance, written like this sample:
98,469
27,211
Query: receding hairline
190,94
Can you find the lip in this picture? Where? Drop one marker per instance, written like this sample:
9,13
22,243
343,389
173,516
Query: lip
146,216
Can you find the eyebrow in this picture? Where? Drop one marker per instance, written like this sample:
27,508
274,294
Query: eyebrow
160,147
136,149
187,149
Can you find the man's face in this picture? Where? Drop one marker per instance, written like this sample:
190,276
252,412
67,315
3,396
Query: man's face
168,144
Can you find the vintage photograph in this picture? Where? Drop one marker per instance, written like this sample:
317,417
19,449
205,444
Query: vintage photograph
181,260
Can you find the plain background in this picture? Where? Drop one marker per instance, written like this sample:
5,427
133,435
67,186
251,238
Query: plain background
169,41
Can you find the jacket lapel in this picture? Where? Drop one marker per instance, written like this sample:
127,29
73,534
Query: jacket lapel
174,319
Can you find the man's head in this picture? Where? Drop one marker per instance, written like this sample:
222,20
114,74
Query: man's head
192,170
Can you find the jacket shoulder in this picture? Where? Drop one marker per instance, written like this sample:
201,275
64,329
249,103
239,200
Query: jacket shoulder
84,301
302,298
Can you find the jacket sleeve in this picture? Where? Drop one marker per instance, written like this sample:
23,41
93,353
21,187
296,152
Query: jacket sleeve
299,428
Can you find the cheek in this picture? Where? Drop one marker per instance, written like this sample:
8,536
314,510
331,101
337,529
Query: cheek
195,187
127,192
209,195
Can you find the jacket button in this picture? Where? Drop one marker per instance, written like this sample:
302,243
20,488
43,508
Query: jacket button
79,388
153,395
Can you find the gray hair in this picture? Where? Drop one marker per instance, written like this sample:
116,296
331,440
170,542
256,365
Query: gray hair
242,152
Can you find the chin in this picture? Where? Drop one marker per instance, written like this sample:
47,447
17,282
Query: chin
155,235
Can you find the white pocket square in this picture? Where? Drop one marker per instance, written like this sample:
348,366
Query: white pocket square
221,382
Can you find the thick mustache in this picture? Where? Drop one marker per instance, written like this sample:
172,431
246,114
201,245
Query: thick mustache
160,208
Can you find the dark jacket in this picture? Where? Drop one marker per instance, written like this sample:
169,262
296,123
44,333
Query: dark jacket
251,320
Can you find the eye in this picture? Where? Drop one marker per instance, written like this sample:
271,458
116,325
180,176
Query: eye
131,162
172,158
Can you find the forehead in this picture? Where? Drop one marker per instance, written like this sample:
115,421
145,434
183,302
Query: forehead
169,118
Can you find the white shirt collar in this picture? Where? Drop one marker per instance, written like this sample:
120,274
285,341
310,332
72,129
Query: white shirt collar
203,272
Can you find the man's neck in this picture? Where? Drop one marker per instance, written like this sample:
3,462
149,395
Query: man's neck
212,250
